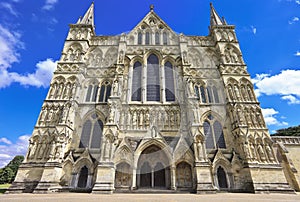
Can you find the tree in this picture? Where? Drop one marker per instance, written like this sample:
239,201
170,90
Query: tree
9,172
291,131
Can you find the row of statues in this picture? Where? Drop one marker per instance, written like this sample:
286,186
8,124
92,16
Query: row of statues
240,92
62,90
53,115
143,118
231,56
251,117
45,150
260,152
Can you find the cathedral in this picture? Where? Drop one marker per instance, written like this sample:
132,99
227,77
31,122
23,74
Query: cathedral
152,110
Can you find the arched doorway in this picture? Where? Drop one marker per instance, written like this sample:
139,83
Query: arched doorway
83,177
183,175
153,169
123,175
222,178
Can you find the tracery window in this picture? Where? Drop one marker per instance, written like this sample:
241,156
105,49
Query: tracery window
200,93
165,38
207,94
105,91
137,82
91,134
140,38
147,40
91,95
153,83
169,82
214,135
157,36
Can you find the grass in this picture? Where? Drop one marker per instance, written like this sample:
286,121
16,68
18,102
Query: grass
3,188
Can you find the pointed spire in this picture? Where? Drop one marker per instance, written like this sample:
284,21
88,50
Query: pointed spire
214,17
88,18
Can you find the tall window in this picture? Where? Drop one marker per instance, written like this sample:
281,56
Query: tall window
200,92
216,95
169,81
147,42
136,94
91,95
165,38
105,91
209,94
157,41
213,133
91,133
153,83
140,38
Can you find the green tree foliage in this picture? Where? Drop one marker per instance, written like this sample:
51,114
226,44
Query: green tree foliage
9,172
291,131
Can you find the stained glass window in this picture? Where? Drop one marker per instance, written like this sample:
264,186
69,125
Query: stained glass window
136,82
153,83
169,81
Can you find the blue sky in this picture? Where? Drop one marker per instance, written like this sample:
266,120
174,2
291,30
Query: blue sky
32,34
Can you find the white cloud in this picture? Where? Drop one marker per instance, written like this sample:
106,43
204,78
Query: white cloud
297,53
291,99
286,84
254,29
270,117
40,78
49,4
10,8
10,43
5,140
297,2
294,20
8,152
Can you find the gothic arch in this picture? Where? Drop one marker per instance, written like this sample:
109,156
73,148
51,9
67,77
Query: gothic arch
81,162
135,59
156,53
163,146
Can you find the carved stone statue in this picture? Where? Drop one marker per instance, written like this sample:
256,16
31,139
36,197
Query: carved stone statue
269,153
261,153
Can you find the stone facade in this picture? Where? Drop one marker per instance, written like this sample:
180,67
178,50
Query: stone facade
151,110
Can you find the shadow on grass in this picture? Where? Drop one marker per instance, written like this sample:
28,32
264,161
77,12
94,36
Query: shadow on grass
3,188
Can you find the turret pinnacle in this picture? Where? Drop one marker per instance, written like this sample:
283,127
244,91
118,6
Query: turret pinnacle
214,17
88,18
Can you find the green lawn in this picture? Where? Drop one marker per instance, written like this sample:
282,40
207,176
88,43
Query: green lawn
3,188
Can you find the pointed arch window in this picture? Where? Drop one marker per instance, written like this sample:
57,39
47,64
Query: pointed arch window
140,38
200,92
153,82
105,91
216,94
165,38
169,82
136,94
214,135
157,36
91,134
91,95
147,40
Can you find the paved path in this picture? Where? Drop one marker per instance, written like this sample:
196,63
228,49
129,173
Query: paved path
221,197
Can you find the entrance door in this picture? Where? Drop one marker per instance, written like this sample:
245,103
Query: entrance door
83,175
159,175
146,175
222,179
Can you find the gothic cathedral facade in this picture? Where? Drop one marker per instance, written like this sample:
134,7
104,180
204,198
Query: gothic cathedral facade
151,110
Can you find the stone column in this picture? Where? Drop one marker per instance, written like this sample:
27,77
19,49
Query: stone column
173,177
133,186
